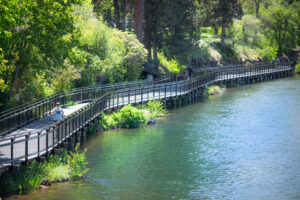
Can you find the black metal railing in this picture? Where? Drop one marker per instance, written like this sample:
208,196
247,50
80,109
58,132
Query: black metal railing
18,117
29,145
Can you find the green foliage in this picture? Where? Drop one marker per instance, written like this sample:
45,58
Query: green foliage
107,54
297,68
33,43
167,30
63,79
131,117
110,120
57,168
57,173
172,65
214,90
26,178
156,108
77,162
281,25
68,48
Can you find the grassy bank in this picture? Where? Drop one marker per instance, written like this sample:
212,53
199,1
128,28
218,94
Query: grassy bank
57,168
133,117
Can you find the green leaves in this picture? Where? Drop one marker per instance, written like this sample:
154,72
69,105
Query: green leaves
35,38
77,162
131,117
282,26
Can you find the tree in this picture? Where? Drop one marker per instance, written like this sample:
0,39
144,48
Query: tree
224,11
34,35
281,26
139,19
117,14
257,6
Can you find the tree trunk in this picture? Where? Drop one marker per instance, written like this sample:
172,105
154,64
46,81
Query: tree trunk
155,57
216,29
117,14
257,2
223,35
123,8
147,42
139,19
13,82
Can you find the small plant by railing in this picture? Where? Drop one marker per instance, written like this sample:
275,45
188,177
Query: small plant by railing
77,163
156,108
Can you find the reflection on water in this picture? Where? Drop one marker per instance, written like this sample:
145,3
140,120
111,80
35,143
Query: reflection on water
243,145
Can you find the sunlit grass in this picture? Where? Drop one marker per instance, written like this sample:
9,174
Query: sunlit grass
58,173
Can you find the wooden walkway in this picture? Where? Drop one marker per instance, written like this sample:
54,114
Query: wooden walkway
41,136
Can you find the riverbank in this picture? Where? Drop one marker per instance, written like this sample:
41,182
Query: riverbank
72,165
57,168
204,150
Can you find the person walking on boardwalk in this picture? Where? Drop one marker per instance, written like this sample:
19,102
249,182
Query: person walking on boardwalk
58,112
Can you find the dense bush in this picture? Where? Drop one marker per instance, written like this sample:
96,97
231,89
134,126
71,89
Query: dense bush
156,108
109,121
131,117
77,163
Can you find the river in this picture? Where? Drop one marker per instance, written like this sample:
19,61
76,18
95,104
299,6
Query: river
242,145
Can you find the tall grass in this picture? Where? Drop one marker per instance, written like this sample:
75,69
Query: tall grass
57,168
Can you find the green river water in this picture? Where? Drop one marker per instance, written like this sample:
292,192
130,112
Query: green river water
242,145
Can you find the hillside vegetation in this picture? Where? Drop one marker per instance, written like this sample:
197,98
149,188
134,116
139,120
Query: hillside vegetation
52,46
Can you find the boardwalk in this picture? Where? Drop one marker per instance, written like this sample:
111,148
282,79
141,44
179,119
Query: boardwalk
42,135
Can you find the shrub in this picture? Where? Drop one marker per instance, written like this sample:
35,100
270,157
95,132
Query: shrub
77,162
110,120
131,117
156,108
213,90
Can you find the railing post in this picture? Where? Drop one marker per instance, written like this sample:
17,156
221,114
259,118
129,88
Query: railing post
129,97
47,142
109,101
53,137
12,140
39,135
148,93
26,148
159,92
141,98
113,99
